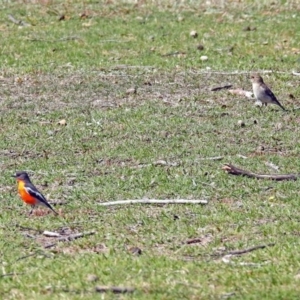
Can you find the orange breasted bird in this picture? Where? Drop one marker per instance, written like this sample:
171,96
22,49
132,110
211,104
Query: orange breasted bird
29,193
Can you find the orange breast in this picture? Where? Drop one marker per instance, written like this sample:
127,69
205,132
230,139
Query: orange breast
24,195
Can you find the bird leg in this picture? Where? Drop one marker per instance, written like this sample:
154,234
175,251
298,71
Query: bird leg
32,207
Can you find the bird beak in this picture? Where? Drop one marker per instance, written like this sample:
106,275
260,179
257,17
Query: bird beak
13,176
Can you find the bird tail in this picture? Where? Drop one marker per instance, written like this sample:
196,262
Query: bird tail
49,206
278,103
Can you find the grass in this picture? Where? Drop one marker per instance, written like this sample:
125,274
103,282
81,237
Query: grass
79,70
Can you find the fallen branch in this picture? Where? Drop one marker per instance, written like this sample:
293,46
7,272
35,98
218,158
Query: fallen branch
51,234
218,88
211,158
154,201
18,22
69,238
237,171
239,252
114,289
68,38
38,252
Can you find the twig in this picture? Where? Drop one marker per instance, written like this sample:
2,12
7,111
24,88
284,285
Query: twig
162,162
212,158
26,256
237,171
114,289
27,228
239,252
218,88
68,38
29,235
113,41
204,71
121,67
51,233
70,238
32,254
194,241
18,22
154,201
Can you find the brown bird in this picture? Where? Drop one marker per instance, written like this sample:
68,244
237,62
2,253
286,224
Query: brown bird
262,92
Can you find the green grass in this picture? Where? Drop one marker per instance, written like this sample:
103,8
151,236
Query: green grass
79,70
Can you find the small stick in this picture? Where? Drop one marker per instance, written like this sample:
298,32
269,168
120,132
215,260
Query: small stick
32,254
239,252
212,158
231,169
51,234
194,241
154,201
68,38
114,289
18,22
218,88
70,238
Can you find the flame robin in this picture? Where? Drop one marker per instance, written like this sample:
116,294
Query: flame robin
29,193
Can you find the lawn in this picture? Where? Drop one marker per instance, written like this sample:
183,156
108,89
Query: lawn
104,101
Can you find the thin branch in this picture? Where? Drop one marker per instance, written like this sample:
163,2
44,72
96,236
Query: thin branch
204,71
29,235
69,238
113,41
33,254
231,169
51,234
18,22
114,289
211,158
63,39
239,252
154,201
223,87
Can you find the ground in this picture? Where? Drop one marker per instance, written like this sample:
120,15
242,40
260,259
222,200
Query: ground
104,101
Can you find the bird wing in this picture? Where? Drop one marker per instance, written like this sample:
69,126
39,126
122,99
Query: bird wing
273,98
271,94
33,192
36,194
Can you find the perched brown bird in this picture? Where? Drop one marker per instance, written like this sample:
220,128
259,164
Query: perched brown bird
262,92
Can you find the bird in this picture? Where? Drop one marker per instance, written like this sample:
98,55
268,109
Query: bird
262,92
29,193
